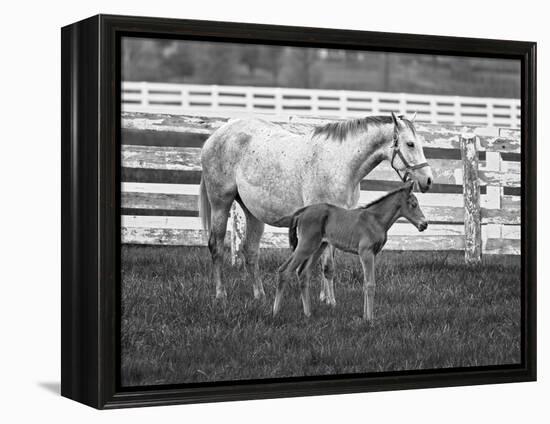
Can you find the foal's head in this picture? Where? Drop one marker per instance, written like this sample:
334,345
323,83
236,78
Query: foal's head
410,208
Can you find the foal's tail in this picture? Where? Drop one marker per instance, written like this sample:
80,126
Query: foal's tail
293,229
293,233
291,221
204,207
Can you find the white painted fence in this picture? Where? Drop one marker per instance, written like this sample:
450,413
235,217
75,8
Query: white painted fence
180,99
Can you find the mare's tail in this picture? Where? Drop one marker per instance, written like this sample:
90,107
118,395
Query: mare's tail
204,207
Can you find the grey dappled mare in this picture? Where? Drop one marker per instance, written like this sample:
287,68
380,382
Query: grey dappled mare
271,172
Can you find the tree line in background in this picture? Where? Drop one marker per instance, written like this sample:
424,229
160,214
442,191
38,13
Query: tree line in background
197,62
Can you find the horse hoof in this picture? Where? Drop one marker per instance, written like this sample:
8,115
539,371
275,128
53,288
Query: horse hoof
221,295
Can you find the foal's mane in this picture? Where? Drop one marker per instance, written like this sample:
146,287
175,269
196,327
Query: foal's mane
380,199
340,130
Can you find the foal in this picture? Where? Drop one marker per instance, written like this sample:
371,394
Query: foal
362,231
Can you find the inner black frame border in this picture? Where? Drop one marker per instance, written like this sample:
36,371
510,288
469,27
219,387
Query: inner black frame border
91,248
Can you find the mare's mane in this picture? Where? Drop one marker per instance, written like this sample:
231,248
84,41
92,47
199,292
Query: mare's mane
340,130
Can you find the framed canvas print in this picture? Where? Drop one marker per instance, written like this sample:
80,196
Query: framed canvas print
254,211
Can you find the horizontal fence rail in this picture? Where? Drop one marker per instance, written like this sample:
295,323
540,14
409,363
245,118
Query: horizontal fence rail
190,99
161,174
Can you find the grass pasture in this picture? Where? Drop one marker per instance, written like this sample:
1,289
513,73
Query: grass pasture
431,311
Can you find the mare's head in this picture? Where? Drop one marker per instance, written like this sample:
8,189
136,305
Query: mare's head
410,208
407,155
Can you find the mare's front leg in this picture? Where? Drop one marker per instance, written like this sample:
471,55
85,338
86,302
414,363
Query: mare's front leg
369,285
251,247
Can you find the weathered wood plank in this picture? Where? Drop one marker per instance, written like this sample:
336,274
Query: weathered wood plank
189,202
190,177
186,237
160,176
136,137
502,247
161,157
445,171
179,237
193,223
511,205
511,232
499,178
500,144
501,216
426,199
472,208
164,236
434,135
159,201
422,242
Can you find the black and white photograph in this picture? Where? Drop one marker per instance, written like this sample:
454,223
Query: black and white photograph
298,212
269,212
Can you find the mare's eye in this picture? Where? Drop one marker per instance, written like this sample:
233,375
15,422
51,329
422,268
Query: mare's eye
410,144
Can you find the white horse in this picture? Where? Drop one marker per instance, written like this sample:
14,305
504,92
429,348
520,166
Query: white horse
272,172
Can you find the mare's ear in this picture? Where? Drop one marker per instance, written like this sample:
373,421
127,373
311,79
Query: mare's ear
394,118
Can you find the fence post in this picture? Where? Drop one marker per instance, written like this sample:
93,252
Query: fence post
237,221
493,162
472,207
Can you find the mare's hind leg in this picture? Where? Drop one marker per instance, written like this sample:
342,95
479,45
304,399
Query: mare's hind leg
327,286
219,215
251,247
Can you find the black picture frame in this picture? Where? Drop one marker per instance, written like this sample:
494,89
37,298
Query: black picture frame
91,220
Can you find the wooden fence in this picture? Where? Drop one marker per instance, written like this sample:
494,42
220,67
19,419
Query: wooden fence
161,173
222,100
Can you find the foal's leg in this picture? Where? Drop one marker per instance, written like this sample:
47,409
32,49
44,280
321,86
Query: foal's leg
281,285
304,276
251,247
298,258
219,215
369,285
327,286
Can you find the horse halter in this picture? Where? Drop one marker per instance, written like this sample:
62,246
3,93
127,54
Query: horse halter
397,152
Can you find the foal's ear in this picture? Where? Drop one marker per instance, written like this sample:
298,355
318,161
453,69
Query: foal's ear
409,185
